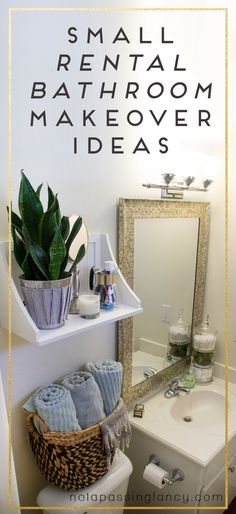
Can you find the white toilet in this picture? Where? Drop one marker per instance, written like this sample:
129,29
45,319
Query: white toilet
110,490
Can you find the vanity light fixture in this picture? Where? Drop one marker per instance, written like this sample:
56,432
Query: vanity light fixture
176,191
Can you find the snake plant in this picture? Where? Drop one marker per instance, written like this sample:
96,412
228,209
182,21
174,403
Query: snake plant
42,238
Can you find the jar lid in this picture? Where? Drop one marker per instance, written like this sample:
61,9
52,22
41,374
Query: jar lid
205,328
180,326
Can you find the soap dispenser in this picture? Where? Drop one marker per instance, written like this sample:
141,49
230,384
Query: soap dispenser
179,337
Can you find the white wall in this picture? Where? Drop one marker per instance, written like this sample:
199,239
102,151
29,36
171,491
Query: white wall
32,367
91,186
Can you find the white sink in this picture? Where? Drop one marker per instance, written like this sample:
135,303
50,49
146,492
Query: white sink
201,438
138,371
200,408
143,360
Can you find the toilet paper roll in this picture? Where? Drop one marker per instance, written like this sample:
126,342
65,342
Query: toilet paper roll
155,475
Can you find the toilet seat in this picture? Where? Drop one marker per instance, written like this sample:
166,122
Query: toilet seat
52,496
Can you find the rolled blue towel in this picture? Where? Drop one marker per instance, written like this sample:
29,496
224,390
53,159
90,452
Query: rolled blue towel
86,396
55,406
108,375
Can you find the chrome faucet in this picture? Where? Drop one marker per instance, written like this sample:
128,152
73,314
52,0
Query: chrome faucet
175,388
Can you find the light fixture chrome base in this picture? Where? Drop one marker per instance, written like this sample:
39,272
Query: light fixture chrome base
175,192
171,194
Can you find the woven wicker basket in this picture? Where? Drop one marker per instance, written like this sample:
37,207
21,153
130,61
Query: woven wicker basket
70,460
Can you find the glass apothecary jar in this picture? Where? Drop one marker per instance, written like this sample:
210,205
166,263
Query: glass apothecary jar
179,337
203,374
203,359
204,337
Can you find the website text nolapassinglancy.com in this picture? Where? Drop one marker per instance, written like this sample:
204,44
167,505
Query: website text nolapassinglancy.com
146,499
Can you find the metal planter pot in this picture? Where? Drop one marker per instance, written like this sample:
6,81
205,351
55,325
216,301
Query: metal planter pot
47,301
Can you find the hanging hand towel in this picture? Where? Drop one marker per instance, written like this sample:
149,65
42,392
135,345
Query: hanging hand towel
108,375
55,406
116,430
86,396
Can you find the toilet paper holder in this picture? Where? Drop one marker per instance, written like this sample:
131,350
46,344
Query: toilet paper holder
176,476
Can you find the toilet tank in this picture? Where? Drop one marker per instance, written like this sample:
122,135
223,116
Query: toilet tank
110,490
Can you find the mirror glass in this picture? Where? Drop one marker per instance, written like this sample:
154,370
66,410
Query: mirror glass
165,252
162,256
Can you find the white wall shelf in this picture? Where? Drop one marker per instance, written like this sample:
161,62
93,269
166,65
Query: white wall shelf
99,250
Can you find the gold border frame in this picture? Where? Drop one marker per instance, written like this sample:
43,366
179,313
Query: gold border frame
11,10
129,211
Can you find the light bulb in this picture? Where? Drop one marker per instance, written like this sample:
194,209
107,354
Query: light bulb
207,182
168,177
189,180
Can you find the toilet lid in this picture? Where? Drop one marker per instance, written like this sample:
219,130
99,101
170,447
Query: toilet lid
52,496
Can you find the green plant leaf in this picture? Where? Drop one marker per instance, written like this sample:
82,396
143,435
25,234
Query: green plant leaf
65,227
48,225
40,259
26,264
18,247
30,207
79,257
37,253
26,267
51,198
74,231
42,239
38,190
58,216
57,253
16,222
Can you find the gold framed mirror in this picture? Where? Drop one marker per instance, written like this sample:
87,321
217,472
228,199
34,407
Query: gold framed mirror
163,256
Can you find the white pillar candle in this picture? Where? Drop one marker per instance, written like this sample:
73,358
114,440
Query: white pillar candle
89,305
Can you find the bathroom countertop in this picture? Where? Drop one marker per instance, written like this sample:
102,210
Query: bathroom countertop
203,437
